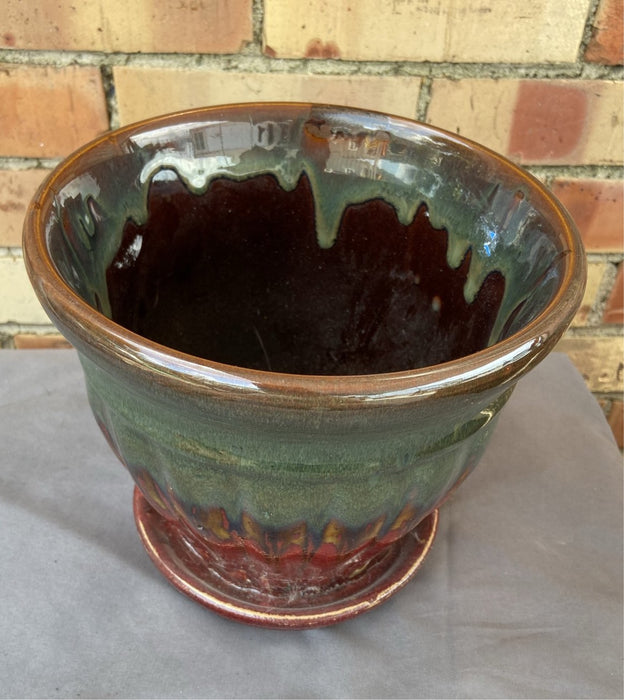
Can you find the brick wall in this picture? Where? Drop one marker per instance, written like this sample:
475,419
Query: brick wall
540,81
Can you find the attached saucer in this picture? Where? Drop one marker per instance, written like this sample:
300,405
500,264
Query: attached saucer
191,572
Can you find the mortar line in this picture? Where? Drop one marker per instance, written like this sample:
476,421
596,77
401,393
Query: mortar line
28,163
588,29
255,61
13,326
601,299
9,329
424,98
605,257
602,331
257,18
110,95
548,173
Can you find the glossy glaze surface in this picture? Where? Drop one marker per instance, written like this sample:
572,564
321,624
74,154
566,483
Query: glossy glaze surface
298,323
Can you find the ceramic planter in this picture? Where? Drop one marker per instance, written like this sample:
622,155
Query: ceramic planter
298,324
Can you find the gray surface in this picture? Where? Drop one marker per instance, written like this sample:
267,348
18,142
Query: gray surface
520,597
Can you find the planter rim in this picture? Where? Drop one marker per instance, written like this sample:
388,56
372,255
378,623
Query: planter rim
99,337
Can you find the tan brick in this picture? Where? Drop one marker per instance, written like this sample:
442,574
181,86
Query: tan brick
599,359
597,207
17,188
18,303
606,45
480,109
434,30
614,310
604,138
573,122
48,112
184,26
145,92
32,341
595,273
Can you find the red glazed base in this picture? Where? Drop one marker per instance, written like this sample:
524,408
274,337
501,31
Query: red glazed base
197,570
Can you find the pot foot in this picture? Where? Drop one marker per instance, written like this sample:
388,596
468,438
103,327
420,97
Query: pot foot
198,571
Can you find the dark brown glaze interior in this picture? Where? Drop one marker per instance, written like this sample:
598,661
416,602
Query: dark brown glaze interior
236,275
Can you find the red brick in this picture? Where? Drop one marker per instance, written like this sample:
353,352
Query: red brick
606,45
549,121
163,26
16,190
48,112
597,209
32,341
616,422
614,310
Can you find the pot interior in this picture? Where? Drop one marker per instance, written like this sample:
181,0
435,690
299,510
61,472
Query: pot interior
434,252
236,275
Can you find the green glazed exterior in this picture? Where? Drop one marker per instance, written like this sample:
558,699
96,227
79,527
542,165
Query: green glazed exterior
285,465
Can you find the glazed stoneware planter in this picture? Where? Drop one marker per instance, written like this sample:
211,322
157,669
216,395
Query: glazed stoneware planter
298,324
